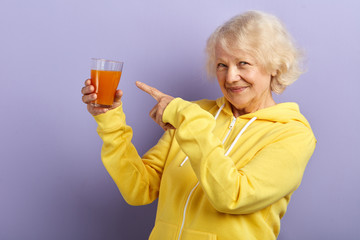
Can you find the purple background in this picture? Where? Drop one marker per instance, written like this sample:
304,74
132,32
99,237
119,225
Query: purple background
52,182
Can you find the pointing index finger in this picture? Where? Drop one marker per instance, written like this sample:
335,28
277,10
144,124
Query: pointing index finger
150,90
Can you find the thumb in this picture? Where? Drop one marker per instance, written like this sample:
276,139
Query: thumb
118,95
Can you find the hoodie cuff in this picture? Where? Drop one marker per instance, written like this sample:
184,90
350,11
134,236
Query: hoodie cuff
111,120
172,110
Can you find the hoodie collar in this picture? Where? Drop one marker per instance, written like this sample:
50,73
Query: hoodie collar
227,107
281,112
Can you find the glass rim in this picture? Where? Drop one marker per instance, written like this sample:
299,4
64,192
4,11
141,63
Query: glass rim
107,60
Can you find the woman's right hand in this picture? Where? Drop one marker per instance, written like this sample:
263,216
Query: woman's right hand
89,96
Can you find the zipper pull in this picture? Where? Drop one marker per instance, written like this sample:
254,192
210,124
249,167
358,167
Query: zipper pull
232,123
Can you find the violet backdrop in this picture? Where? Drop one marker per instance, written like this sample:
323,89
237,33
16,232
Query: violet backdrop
52,181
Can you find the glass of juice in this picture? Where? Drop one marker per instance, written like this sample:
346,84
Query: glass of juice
105,77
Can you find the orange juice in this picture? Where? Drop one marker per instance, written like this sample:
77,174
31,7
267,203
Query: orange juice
105,83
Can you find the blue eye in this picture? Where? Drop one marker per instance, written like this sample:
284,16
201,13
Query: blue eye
242,63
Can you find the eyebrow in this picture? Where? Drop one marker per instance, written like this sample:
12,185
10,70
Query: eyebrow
238,59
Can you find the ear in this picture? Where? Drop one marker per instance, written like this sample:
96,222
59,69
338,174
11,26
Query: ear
274,73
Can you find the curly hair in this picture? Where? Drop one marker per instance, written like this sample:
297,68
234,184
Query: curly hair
265,38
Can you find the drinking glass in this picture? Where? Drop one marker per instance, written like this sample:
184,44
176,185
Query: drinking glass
105,77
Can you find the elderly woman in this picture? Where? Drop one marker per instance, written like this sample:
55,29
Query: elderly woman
224,169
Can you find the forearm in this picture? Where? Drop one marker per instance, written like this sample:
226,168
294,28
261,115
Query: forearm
137,182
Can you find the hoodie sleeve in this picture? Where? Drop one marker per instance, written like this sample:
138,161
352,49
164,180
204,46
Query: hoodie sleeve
268,177
138,179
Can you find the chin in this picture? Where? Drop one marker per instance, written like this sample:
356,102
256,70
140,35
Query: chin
239,105
238,102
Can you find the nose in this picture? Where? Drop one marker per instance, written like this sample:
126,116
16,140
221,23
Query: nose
233,75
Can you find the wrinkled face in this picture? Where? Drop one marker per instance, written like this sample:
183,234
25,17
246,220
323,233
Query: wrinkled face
244,83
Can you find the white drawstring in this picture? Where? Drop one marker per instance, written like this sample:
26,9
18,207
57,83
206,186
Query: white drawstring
236,139
183,162
218,112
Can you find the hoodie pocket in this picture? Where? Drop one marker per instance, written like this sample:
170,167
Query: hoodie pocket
163,231
191,235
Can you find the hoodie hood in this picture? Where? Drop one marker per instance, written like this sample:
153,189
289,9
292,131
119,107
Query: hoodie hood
281,112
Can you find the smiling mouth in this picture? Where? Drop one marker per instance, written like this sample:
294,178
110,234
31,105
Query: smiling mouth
237,89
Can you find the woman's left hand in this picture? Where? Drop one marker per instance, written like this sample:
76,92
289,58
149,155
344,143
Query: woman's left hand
162,101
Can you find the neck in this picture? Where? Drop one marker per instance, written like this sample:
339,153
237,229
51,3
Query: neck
250,109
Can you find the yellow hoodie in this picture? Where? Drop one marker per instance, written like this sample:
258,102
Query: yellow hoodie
214,193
